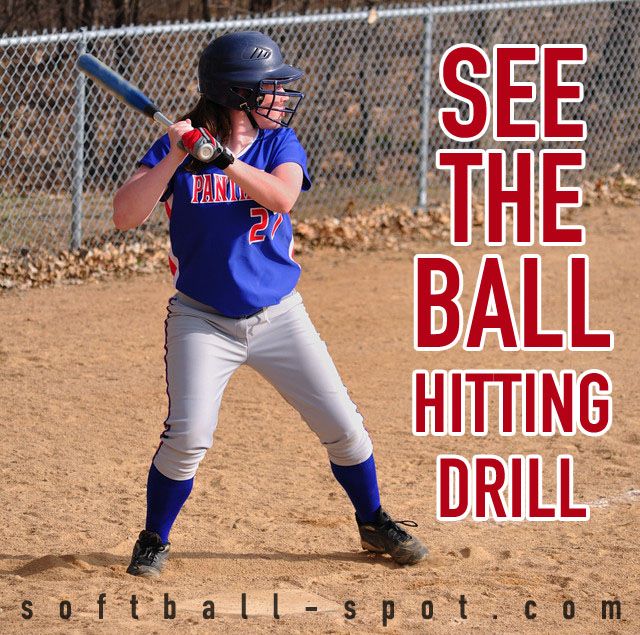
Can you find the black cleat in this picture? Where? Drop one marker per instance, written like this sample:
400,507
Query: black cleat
149,555
383,535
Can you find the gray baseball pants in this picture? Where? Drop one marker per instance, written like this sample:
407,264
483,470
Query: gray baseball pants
204,348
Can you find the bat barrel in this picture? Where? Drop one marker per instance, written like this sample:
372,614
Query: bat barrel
116,84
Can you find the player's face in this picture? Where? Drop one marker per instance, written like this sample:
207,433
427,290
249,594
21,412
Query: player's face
270,100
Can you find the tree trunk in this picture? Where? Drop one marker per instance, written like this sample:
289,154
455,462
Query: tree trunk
260,6
62,15
119,12
206,11
88,12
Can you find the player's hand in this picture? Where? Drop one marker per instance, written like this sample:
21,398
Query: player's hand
175,134
202,145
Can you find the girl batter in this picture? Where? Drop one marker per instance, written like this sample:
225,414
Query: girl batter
236,303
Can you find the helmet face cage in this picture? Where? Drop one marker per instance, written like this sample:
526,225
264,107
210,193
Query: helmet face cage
277,89
244,70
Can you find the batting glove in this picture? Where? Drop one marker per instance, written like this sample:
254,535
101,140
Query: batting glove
202,145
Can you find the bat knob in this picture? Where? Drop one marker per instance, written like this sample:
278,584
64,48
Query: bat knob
205,152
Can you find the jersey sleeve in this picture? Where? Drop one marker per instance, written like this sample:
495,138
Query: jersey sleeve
153,156
289,150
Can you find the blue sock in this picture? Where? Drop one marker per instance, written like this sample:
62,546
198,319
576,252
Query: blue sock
165,498
361,484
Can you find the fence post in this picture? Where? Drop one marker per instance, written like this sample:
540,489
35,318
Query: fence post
77,177
425,120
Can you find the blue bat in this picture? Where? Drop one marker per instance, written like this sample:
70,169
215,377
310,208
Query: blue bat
132,96
120,87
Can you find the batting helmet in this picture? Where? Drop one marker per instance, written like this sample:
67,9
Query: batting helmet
235,68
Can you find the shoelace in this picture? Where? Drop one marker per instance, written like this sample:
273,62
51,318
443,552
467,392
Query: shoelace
149,552
392,527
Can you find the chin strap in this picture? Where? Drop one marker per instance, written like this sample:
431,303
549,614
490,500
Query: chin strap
247,111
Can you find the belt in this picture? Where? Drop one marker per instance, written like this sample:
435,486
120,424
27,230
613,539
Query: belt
194,304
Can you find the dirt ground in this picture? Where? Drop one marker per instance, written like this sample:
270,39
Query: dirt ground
83,401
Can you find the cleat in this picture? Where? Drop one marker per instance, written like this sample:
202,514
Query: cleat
383,535
149,555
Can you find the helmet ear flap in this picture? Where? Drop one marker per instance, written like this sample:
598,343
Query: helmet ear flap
248,96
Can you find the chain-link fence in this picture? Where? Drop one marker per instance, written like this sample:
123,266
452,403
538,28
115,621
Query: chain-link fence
369,122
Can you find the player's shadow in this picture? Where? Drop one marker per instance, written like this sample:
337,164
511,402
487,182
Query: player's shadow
89,562
85,562
362,557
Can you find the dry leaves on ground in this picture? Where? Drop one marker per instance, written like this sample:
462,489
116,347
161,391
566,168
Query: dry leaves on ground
385,227
617,188
381,228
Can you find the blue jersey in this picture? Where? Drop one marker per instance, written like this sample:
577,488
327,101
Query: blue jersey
227,250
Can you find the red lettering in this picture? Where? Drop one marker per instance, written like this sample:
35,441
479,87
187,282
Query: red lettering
197,185
530,399
473,95
491,308
556,408
460,163
457,403
255,234
221,188
589,405
233,196
516,493
580,336
429,406
452,474
484,488
428,301
479,402
537,510
553,196
555,92
490,477
566,507
498,196
507,92
207,194
533,337
507,413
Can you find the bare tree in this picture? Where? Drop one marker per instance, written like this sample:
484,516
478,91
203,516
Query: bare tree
260,6
125,12
206,11
88,13
33,13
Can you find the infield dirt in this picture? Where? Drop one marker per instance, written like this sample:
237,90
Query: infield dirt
83,401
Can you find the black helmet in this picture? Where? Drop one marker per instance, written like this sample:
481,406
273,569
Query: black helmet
234,69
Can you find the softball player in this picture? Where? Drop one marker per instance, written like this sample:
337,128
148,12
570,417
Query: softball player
235,277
